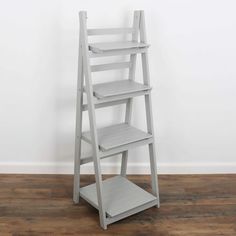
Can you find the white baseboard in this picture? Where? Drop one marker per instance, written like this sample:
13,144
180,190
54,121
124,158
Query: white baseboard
114,168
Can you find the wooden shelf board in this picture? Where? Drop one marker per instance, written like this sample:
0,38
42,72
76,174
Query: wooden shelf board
114,46
120,87
119,195
117,135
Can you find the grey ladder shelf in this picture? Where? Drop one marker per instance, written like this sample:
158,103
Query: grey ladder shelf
117,197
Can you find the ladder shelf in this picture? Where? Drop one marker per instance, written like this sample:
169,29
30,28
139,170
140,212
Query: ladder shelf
116,88
116,197
116,46
116,151
120,195
117,135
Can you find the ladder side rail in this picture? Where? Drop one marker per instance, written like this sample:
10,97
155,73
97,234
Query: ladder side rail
148,104
129,104
92,118
78,131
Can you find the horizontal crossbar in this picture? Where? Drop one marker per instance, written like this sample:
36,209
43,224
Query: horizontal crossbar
89,159
101,104
116,151
107,31
110,66
115,100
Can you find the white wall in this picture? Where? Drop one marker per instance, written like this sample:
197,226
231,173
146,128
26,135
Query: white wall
192,63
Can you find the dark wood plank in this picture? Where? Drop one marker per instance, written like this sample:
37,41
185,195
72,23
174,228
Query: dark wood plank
35,205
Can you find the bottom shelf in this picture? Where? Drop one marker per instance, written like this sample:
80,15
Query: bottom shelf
119,195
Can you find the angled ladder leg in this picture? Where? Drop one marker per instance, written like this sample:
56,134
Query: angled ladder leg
92,119
129,104
148,104
78,131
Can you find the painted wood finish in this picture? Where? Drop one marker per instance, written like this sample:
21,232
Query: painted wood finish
118,52
92,117
120,195
117,135
109,31
118,138
110,66
114,46
116,88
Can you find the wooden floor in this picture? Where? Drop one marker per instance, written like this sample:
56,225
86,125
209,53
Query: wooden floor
190,205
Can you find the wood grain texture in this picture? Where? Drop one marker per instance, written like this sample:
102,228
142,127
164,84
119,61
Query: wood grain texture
117,135
119,194
35,205
118,87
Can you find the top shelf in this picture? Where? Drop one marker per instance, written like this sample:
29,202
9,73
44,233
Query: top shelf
116,46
